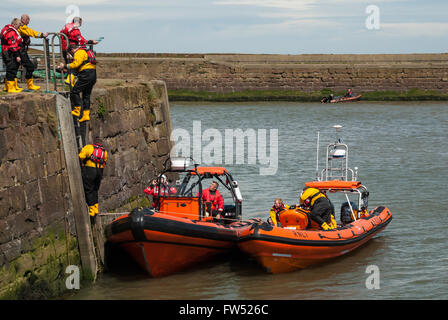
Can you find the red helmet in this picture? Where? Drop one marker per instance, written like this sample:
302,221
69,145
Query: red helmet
173,190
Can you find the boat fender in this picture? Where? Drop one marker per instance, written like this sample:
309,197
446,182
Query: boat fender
137,222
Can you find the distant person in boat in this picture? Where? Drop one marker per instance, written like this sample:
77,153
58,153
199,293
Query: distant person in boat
348,94
94,158
213,196
165,189
322,211
278,207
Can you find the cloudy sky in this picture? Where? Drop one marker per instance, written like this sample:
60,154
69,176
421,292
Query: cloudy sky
247,26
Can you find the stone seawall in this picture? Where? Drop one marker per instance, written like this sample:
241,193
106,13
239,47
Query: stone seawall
307,73
38,236
135,125
35,209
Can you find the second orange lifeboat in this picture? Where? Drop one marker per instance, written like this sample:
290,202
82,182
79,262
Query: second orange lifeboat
285,249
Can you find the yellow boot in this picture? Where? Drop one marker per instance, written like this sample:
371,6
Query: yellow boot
31,85
92,211
10,87
85,116
76,111
96,208
16,85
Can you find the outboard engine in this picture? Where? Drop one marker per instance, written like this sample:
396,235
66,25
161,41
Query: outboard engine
346,214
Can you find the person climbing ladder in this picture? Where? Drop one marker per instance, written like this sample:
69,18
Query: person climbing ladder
93,158
84,65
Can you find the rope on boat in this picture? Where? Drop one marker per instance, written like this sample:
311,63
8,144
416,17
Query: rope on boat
112,213
164,212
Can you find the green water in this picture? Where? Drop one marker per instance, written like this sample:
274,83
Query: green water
401,150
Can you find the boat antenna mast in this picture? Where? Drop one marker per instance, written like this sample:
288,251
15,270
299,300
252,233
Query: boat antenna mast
317,158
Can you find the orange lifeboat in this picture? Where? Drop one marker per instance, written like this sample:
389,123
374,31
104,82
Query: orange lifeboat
182,229
299,242
163,244
285,249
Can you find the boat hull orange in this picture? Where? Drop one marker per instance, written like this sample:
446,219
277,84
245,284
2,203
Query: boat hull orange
162,244
281,250
346,99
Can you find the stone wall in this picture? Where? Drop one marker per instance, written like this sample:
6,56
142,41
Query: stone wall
238,72
35,209
134,123
37,228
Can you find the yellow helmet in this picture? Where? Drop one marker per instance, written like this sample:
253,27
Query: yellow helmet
306,198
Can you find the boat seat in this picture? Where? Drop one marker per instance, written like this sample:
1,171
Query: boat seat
229,212
294,218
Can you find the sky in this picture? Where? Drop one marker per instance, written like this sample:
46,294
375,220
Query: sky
247,26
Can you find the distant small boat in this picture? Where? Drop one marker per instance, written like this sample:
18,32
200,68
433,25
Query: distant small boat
346,99
340,99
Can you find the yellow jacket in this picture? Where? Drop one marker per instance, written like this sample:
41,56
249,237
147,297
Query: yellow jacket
26,32
86,152
81,61
273,215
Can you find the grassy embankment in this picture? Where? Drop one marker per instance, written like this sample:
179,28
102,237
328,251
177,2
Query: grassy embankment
299,96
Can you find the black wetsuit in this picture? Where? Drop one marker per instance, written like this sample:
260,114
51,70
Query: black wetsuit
321,211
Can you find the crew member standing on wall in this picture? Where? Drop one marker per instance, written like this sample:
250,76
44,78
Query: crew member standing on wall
11,40
321,209
93,158
84,63
26,32
71,30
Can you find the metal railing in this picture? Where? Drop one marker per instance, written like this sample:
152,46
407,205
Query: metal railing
2,70
51,55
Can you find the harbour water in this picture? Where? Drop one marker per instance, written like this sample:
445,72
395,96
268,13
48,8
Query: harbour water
401,150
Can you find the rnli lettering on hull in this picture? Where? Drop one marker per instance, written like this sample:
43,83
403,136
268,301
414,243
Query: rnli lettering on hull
196,310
